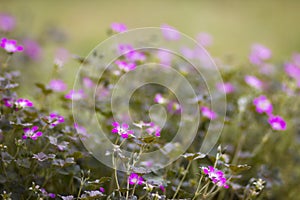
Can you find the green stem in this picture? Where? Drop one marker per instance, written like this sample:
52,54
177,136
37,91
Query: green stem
198,187
182,179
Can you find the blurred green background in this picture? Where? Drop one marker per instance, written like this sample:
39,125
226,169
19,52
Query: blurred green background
235,25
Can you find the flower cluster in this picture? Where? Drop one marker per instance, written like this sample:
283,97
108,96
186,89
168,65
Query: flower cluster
32,133
216,176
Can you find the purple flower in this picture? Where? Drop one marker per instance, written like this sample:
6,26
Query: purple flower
61,57
135,179
57,85
101,189
277,123
32,49
204,39
123,65
169,32
118,27
10,45
7,22
292,70
187,52
216,176
22,103
159,99
254,82
206,112
55,119
122,130
263,104
225,87
153,130
75,95
51,195
32,133
259,54
8,102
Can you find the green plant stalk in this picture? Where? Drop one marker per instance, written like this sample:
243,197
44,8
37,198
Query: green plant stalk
198,187
182,179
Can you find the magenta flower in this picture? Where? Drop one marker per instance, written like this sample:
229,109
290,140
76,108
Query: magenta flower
7,22
55,119
226,88
169,32
118,27
204,39
61,57
101,189
208,113
277,123
153,130
23,103
123,65
8,102
75,95
259,54
159,99
134,179
263,104
122,130
216,176
31,133
57,85
32,49
10,45
254,82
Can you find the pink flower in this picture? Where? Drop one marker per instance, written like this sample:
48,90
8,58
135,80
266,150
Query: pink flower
122,130
8,102
134,179
208,113
263,104
254,82
123,65
55,119
75,95
225,87
259,54
164,57
169,32
101,189
187,52
22,103
32,133
118,27
153,130
216,176
10,45
57,85
204,39
130,53
159,99
293,71
81,131
174,107
7,22
277,123
88,83
61,57
32,49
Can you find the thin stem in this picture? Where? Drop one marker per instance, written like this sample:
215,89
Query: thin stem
198,187
4,65
182,179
